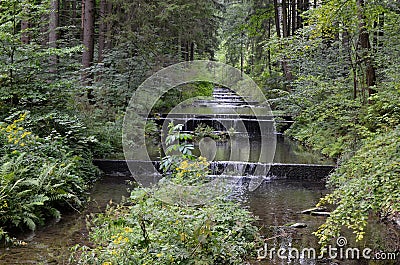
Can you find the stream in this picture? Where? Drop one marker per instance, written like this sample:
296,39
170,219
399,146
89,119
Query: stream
277,202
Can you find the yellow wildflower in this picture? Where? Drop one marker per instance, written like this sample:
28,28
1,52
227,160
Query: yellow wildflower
25,134
128,230
183,236
184,164
119,239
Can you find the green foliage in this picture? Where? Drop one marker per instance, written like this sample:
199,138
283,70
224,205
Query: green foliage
182,93
384,113
233,33
332,127
178,149
203,130
161,29
179,162
25,67
156,37
106,131
39,176
367,182
151,128
336,114
150,231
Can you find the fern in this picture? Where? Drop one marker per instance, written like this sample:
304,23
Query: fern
41,176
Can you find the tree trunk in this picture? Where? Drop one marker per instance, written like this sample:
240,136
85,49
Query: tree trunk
179,45
63,17
365,46
252,55
269,49
102,29
88,35
287,72
294,22
302,5
348,50
191,51
25,38
186,50
277,20
241,56
53,34
289,16
284,19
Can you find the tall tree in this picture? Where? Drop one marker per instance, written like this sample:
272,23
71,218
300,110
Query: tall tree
53,33
88,8
285,27
277,19
25,38
294,17
102,29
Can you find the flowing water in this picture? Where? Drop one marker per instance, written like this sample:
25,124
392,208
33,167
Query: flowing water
276,202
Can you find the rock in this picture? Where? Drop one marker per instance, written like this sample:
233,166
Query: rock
321,213
315,209
298,225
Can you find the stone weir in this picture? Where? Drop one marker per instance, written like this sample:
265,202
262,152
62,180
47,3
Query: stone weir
226,111
225,122
229,168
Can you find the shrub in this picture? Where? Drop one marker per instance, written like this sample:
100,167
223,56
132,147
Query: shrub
147,230
153,232
39,176
366,183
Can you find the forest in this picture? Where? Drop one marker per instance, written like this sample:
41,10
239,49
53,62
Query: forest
69,68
